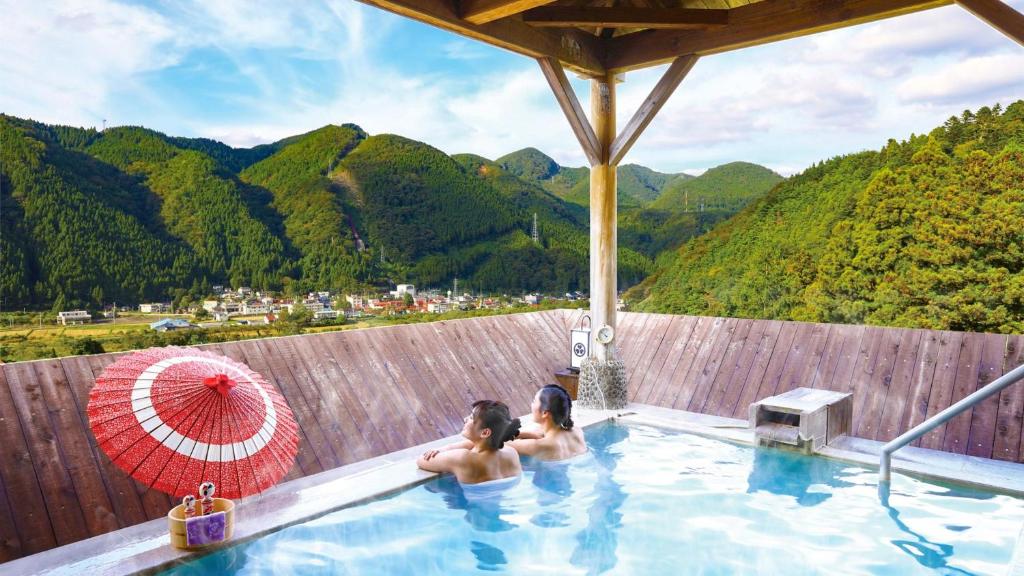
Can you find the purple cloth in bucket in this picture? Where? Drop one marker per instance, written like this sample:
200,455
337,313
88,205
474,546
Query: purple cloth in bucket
203,530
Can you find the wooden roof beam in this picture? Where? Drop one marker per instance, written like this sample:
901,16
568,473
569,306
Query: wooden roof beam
754,24
659,95
624,17
484,11
571,107
575,49
998,15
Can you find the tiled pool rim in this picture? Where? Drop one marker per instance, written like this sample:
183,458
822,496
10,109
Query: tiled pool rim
145,548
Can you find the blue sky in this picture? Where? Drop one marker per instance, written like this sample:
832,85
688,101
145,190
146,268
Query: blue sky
249,72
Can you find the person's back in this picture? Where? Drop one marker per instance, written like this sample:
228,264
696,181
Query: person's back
557,439
558,445
489,465
483,456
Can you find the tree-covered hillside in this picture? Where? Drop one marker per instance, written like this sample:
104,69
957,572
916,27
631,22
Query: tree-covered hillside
78,230
131,215
689,207
637,185
925,233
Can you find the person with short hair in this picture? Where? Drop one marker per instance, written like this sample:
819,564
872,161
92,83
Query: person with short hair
483,455
557,439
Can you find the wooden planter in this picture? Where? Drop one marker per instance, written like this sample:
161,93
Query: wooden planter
176,520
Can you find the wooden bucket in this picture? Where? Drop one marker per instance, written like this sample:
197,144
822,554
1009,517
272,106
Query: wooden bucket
176,520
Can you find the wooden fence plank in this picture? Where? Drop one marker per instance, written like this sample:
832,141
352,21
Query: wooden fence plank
916,404
318,354
449,375
155,504
431,410
842,375
688,380
982,432
794,360
707,373
482,356
729,391
769,381
370,382
127,506
630,328
54,481
863,369
676,377
873,391
948,358
726,367
804,357
72,437
898,386
676,337
958,428
312,444
23,492
291,374
1006,445
748,393
649,341
10,540
336,420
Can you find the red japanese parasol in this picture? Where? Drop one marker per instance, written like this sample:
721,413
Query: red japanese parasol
175,417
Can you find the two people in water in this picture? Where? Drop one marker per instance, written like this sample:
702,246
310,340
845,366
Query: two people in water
493,441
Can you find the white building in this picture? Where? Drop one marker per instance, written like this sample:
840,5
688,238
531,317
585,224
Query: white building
154,308
403,289
438,307
254,308
325,315
74,317
210,305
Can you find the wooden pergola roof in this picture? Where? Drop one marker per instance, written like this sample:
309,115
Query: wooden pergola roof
597,37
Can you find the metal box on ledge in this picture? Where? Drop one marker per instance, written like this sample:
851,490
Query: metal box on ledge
805,418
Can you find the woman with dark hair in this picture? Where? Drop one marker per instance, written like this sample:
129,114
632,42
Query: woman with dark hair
557,439
482,456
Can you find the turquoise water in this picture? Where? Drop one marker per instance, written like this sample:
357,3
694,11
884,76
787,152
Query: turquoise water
650,501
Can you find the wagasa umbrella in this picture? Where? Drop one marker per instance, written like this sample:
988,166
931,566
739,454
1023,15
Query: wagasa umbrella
174,417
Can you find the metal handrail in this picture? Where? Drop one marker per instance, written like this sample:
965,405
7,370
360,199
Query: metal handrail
942,417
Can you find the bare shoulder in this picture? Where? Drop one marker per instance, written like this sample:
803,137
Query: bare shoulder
526,446
447,461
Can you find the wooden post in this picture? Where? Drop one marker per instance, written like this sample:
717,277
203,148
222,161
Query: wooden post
603,221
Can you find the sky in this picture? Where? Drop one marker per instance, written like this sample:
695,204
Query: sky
254,71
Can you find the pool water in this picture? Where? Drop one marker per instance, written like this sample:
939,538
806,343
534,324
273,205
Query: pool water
651,501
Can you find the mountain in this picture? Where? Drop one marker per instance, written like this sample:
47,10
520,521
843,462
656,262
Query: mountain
922,233
728,187
637,185
130,214
689,207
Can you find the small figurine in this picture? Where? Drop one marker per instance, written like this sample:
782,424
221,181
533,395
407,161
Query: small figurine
206,495
189,502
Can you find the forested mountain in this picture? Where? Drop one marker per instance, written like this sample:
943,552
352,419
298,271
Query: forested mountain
927,232
689,207
130,215
637,185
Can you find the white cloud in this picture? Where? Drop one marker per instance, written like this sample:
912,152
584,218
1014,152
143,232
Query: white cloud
785,105
985,77
59,60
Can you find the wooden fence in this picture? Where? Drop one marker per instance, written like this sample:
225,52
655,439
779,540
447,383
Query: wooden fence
359,394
